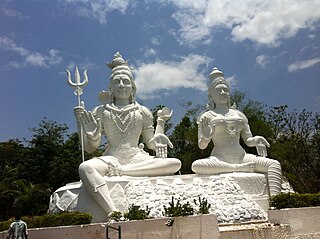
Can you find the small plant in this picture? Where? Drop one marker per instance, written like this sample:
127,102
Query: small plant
204,206
178,210
116,216
135,213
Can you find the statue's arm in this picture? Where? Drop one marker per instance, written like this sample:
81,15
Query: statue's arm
259,142
147,127
157,141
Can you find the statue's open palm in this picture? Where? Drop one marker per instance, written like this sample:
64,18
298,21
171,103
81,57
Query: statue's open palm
161,142
90,125
207,130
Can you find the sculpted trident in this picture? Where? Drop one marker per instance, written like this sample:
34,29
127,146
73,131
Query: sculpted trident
78,90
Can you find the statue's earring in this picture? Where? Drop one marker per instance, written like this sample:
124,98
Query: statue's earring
111,98
211,103
133,100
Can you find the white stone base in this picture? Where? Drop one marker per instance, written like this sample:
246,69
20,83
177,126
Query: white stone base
230,195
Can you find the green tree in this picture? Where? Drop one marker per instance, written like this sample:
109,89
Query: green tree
296,146
185,138
10,157
22,197
45,147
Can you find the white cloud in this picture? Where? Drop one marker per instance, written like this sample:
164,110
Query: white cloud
98,9
262,60
150,52
233,82
263,22
12,13
311,36
29,58
300,65
84,64
155,41
163,75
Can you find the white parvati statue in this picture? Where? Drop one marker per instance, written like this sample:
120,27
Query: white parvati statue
224,126
122,120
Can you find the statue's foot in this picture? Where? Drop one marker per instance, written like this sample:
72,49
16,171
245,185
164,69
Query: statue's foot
246,167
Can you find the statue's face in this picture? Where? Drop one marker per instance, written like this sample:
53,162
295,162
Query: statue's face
121,87
220,94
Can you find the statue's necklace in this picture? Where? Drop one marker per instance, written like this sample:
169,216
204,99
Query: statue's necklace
231,130
123,119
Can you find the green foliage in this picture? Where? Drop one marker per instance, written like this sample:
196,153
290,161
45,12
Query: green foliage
185,139
136,213
178,209
204,206
294,200
116,216
52,220
50,152
24,198
296,144
4,225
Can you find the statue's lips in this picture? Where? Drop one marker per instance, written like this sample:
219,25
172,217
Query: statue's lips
122,91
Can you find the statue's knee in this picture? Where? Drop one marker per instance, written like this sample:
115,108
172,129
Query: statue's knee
177,164
275,165
196,166
85,168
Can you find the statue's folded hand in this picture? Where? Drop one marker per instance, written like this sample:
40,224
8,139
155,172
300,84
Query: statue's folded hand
78,110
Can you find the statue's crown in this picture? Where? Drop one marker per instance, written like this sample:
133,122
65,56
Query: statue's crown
117,61
119,65
215,73
216,77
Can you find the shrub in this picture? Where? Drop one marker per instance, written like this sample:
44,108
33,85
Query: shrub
135,213
294,200
52,220
178,210
204,206
116,216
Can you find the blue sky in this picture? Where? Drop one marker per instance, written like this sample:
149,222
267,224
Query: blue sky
268,49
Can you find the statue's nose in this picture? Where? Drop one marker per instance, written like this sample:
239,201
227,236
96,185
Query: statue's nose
121,84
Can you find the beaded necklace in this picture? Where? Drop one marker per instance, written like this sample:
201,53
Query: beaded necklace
123,118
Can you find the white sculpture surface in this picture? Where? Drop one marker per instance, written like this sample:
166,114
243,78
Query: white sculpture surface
224,126
225,193
122,120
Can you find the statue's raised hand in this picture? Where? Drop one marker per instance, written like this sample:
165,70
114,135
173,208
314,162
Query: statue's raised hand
161,142
91,126
78,110
207,130
261,145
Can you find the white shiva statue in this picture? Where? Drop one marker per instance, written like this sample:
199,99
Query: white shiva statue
224,126
122,120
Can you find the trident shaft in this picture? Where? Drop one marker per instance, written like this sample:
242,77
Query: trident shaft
78,90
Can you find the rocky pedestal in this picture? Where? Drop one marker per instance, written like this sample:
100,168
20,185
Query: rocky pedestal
234,197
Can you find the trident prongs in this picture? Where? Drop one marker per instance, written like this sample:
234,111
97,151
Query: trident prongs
78,85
